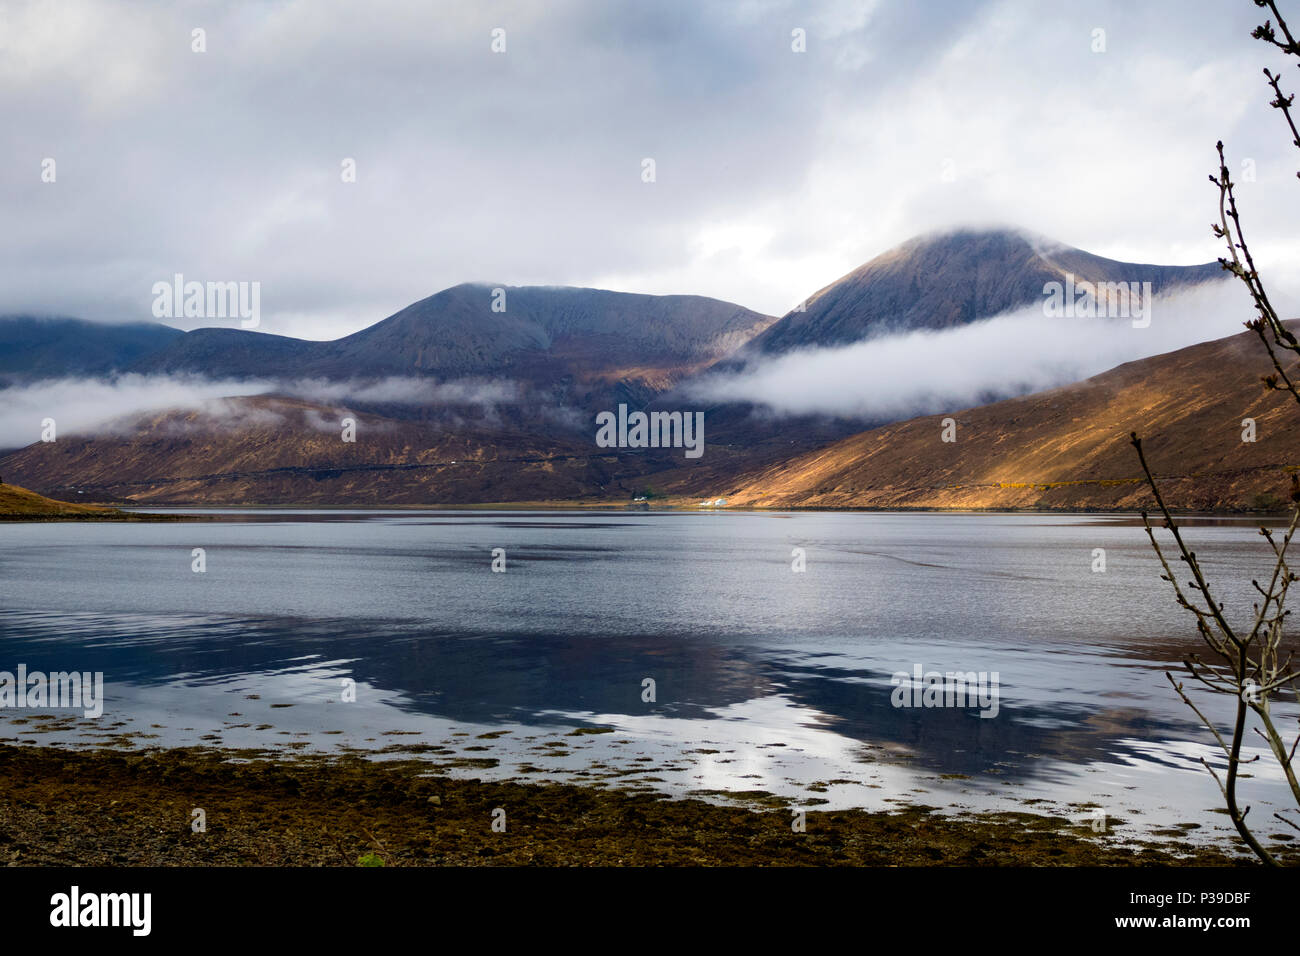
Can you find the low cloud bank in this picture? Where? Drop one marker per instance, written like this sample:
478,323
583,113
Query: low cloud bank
80,406
98,407
924,372
406,391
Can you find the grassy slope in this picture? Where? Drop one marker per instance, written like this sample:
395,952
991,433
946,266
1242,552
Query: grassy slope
19,502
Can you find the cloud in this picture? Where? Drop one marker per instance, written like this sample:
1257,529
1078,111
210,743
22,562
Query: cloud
406,391
776,171
924,372
100,407
81,406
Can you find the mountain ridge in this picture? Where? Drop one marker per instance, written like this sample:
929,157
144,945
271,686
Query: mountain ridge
35,347
539,333
953,277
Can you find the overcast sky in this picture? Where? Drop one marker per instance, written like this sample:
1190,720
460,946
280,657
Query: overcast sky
776,171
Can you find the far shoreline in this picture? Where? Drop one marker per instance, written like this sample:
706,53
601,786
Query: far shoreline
116,515
190,513
690,507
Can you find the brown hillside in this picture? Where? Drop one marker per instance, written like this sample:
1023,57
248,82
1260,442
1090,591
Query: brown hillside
1069,447
19,502
272,450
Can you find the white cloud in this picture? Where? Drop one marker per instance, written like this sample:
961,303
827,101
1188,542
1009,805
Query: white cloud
78,406
96,406
777,171
920,373
406,391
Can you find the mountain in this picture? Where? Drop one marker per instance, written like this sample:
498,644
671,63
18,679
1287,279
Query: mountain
504,411
33,347
1069,447
229,354
512,421
943,280
276,450
543,335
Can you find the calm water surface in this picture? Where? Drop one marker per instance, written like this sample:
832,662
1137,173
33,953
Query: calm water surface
765,679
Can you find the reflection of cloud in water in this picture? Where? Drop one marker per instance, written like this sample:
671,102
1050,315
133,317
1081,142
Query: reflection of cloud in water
486,678
730,717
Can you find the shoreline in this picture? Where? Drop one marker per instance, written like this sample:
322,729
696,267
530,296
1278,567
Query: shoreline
209,511
64,806
22,504
116,515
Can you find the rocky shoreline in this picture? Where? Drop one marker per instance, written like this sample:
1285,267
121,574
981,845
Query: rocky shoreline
197,807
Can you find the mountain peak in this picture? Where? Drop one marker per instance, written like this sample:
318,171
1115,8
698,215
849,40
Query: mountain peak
944,279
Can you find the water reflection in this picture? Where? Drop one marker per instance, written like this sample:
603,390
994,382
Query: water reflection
756,668
495,678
